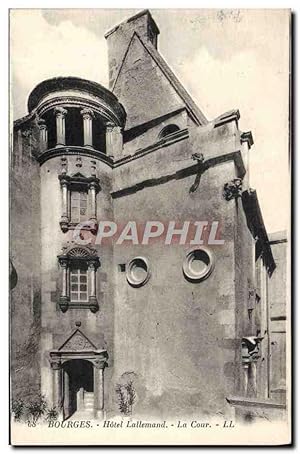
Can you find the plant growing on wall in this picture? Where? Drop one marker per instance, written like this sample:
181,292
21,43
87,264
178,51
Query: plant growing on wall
126,397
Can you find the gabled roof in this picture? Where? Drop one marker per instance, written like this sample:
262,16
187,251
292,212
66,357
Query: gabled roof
192,108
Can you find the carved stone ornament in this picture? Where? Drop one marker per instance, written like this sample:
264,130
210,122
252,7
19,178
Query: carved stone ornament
75,252
60,111
233,189
87,113
250,349
77,342
64,302
27,133
199,157
55,364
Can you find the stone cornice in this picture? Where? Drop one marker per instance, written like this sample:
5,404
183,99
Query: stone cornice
103,109
227,117
248,402
182,173
247,137
74,150
85,151
66,83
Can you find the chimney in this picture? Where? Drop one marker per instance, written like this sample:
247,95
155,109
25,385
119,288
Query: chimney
119,38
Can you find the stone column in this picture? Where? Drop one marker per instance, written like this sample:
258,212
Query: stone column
99,389
60,114
88,116
57,385
66,395
43,134
114,140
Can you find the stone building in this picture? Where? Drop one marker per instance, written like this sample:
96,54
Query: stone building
192,327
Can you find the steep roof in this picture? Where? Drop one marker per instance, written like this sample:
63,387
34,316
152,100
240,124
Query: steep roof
191,106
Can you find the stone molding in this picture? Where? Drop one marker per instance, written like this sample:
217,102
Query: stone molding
248,402
74,150
103,110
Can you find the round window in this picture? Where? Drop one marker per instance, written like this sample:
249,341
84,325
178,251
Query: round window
198,264
138,272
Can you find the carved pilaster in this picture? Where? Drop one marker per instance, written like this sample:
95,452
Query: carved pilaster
64,220
93,302
233,189
64,297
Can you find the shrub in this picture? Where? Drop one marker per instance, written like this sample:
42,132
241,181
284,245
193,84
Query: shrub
51,414
18,409
36,409
126,397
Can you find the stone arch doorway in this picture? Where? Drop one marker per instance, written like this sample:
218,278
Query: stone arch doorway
78,377
78,387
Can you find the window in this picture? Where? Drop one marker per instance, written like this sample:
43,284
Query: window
170,129
79,199
79,285
78,277
78,206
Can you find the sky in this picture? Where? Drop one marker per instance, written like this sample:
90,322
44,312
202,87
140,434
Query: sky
226,59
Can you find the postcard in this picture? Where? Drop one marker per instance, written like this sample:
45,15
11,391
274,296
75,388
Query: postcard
150,186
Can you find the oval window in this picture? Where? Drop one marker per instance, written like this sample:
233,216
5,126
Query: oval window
198,264
138,272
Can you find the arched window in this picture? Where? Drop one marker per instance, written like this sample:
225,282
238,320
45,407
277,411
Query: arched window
79,265
167,130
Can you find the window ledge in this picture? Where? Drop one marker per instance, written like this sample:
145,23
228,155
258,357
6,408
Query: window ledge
89,225
92,304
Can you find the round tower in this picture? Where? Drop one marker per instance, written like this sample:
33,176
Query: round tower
80,135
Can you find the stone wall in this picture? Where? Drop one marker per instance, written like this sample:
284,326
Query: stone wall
25,243
180,338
